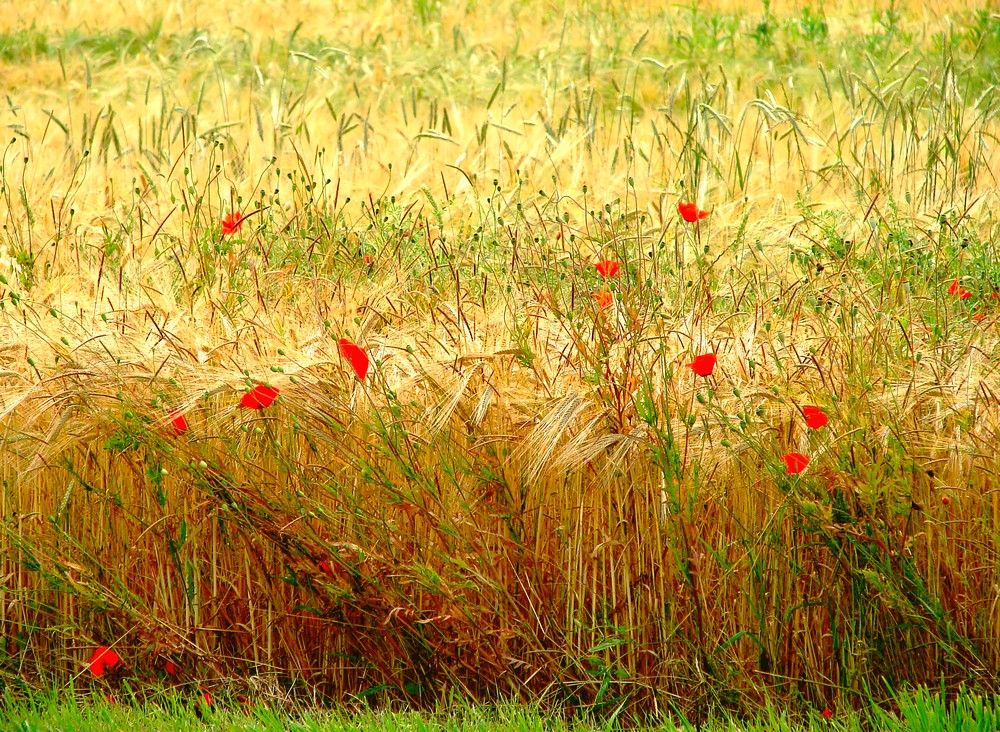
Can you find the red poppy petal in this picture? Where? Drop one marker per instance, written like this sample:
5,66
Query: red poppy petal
232,223
178,422
815,417
101,660
827,713
815,421
953,290
690,212
703,365
249,401
171,668
607,268
265,394
604,299
795,462
356,356
259,397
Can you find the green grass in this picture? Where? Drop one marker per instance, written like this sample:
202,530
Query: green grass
915,712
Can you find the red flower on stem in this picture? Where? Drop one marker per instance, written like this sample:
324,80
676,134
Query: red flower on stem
827,713
703,365
232,223
102,660
690,212
259,397
356,356
178,422
795,462
607,268
815,417
603,298
958,290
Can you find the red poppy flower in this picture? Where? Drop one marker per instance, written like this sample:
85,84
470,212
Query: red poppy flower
206,698
367,259
259,397
102,660
945,500
703,365
603,298
815,417
171,668
325,568
232,223
178,422
607,268
961,292
690,212
795,462
827,713
355,356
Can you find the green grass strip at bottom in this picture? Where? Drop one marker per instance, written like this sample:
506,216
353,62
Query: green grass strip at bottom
918,710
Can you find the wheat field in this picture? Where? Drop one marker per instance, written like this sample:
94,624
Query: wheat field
535,491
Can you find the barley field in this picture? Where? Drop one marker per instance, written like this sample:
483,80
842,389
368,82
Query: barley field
628,358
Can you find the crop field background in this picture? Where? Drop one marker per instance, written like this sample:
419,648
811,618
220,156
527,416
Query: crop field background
602,456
